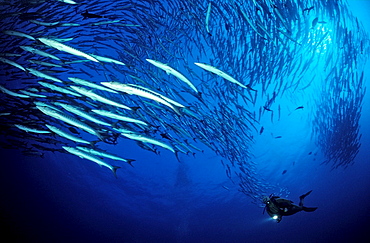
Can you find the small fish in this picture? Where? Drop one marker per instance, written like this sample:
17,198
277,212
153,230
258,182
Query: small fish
88,15
299,107
261,131
278,137
284,171
314,22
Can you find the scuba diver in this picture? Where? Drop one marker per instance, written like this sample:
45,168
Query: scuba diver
278,207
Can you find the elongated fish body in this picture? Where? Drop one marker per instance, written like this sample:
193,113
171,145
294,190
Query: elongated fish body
11,93
118,117
43,75
39,52
68,119
68,1
48,24
62,47
208,15
92,158
139,92
170,70
59,89
4,60
47,64
158,94
107,59
81,113
219,73
40,103
32,94
29,129
19,34
66,135
144,139
91,85
104,154
92,95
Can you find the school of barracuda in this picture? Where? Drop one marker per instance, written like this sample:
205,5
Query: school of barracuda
178,76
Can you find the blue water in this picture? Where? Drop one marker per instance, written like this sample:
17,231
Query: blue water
62,198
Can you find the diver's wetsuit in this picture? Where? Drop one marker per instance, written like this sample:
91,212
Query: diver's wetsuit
277,207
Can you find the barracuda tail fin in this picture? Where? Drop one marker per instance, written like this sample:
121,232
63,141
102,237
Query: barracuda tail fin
129,161
114,170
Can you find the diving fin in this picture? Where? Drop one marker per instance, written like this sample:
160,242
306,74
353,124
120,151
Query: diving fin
306,209
305,195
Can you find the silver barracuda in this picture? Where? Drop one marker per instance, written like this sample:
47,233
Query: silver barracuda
81,113
19,34
59,89
66,135
11,93
219,73
160,95
43,75
4,60
107,59
118,117
92,95
92,158
39,52
32,94
69,119
62,47
105,154
47,64
29,129
170,70
91,85
144,139
139,92
208,15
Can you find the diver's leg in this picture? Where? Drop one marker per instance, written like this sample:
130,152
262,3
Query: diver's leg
301,198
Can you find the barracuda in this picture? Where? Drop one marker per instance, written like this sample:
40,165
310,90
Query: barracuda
38,52
107,59
208,15
139,92
81,113
19,34
161,96
118,117
92,95
32,94
43,75
170,70
219,73
62,47
92,158
29,129
66,135
105,154
58,89
4,60
91,85
69,119
144,139
11,93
